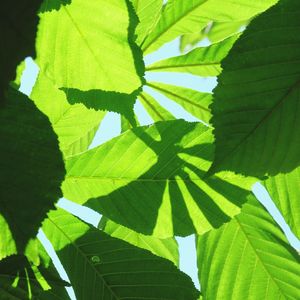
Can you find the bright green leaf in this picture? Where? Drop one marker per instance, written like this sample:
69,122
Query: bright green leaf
89,45
248,258
284,190
219,31
149,179
202,61
75,125
190,40
194,102
155,110
148,12
180,17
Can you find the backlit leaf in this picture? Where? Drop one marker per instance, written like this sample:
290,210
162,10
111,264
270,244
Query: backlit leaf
180,17
150,179
248,258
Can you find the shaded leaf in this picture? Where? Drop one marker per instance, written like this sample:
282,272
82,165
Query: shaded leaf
256,103
106,101
21,280
18,21
149,179
110,268
258,262
31,169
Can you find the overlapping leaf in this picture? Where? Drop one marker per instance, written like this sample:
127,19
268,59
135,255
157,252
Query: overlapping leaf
75,125
166,248
19,279
196,103
79,50
256,104
214,32
203,61
148,12
108,268
32,169
180,17
248,258
155,110
149,179
284,190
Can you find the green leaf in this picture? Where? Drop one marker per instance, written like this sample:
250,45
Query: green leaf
202,61
148,12
149,179
7,243
190,40
17,280
284,191
125,124
80,50
21,280
214,31
75,125
256,103
166,248
18,29
194,102
219,31
180,17
155,110
32,168
110,267
248,258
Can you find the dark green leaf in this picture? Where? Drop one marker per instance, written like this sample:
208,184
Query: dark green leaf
102,267
32,168
256,103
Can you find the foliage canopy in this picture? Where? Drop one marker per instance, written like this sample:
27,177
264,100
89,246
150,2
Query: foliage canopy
150,183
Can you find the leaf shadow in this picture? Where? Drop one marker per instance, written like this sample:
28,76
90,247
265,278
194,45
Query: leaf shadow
53,5
137,205
104,100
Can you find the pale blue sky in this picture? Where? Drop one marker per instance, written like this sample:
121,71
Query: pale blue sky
110,127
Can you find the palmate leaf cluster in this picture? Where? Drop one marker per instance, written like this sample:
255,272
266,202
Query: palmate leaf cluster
150,183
